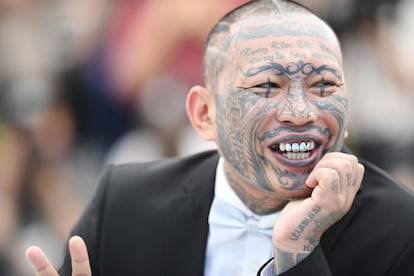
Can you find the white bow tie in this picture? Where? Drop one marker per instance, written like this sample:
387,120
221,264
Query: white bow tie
232,223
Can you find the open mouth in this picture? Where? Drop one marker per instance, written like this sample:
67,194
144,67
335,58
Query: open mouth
295,151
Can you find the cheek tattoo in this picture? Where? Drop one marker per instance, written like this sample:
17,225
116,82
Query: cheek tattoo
239,115
296,98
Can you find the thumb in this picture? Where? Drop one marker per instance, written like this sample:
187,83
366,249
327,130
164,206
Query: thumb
79,257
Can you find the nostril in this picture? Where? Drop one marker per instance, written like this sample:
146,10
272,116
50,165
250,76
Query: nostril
295,118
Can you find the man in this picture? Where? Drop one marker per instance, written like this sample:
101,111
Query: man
276,105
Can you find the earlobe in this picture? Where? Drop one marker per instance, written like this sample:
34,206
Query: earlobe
200,111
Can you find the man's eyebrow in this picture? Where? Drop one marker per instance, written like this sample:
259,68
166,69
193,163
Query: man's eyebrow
253,71
290,69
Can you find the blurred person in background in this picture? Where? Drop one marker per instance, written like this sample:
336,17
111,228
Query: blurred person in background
41,189
148,50
379,65
152,55
79,79
276,104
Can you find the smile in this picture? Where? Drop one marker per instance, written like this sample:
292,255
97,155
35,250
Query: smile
295,150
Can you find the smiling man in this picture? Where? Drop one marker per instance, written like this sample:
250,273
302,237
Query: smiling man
279,197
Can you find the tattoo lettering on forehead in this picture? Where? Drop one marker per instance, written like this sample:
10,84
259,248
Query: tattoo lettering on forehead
304,44
280,45
264,55
250,51
238,116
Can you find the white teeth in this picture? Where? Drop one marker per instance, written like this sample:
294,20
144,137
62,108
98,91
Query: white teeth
297,147
288,147
297,155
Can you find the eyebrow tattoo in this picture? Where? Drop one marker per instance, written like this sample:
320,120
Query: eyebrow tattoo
292,69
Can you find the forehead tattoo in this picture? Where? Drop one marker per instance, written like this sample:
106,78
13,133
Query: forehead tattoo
253,28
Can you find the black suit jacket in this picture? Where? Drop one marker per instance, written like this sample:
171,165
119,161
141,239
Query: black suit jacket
151,219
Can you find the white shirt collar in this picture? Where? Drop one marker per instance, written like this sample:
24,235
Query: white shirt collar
233,249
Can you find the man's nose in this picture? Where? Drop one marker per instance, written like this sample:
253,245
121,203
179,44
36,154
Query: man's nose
297,110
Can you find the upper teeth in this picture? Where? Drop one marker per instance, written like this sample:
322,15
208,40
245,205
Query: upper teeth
297,147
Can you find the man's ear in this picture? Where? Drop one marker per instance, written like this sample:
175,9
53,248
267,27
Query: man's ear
200,110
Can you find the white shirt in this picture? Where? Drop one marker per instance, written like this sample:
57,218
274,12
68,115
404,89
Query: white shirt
236,247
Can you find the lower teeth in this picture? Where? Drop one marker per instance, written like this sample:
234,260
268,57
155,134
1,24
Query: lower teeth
296,155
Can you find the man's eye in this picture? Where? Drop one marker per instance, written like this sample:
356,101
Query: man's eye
268,85
266,90
324,84
324,88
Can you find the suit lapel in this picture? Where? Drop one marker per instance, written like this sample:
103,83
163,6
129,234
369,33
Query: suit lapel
188,221
333,234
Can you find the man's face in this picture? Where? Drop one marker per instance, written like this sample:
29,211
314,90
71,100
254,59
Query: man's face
281,103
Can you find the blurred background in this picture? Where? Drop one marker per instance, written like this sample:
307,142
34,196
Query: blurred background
85,83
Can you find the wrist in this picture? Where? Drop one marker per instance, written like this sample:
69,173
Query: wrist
285,260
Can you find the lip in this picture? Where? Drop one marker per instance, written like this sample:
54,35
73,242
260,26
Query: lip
304,163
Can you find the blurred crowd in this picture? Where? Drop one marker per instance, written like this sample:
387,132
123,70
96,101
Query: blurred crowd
86,83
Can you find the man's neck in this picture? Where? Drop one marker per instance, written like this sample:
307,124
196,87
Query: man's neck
260,203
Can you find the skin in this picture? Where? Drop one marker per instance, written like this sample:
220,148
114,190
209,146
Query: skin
274,79
275,85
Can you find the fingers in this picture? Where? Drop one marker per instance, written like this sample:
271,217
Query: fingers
78,253
336,179
79,256
40,262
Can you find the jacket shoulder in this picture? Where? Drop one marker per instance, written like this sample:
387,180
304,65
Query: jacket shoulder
161,177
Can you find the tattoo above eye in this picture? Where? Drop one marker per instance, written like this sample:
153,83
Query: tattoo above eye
323,84
292,69
268,86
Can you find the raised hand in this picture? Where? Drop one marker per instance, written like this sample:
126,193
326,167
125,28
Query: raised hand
78,253
335,181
